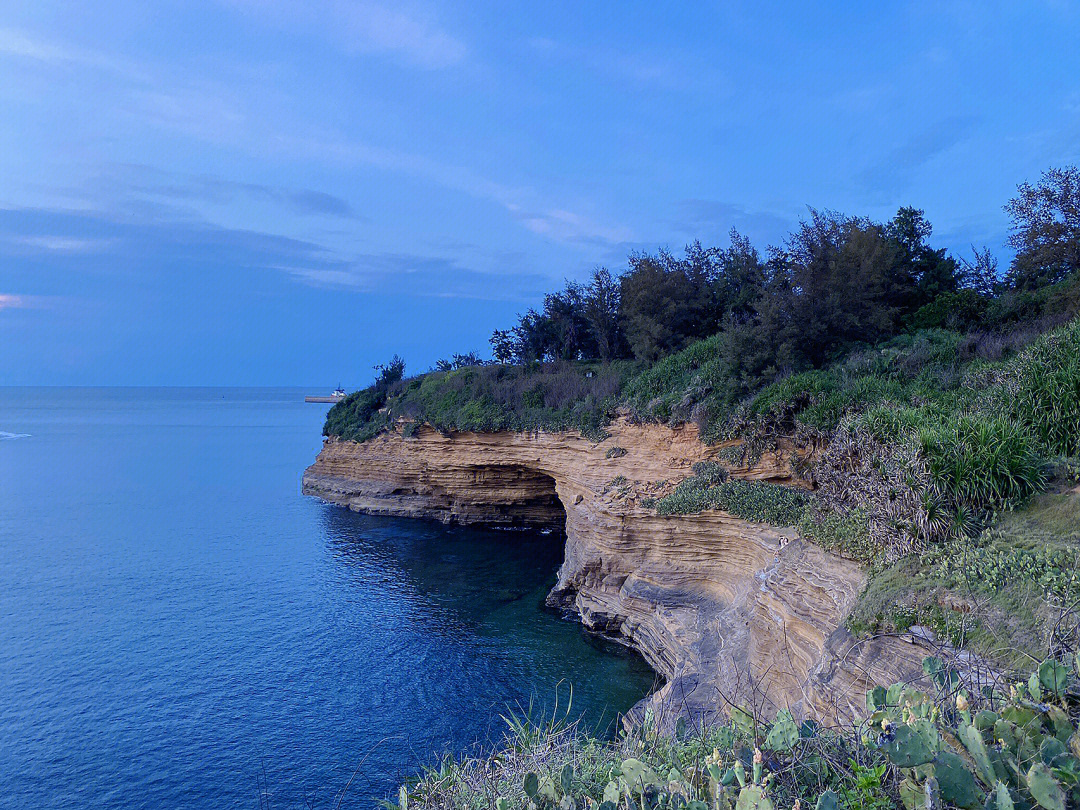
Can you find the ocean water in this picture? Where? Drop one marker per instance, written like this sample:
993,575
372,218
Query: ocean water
181,628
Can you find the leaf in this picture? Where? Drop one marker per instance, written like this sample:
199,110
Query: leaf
827,801
1044,788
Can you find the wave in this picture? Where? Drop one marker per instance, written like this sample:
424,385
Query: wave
5,435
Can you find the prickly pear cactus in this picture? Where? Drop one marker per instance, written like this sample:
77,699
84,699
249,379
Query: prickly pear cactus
783,734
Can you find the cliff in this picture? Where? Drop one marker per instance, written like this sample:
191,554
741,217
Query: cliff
727,611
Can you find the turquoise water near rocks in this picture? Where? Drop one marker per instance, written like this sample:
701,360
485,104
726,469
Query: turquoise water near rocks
180,627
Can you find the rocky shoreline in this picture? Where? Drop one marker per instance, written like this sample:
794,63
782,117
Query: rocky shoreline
727,611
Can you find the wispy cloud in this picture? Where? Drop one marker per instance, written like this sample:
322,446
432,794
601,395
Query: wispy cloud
710,220
24,45
634,67
552,222
886,175
566,226
407,30
8,301
422,276
156,183
63,244
132,248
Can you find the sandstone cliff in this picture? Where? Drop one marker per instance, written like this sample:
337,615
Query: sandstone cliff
726,610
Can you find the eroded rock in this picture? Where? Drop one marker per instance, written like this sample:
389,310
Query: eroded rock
725,610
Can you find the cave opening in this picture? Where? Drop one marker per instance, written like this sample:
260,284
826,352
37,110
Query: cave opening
520,497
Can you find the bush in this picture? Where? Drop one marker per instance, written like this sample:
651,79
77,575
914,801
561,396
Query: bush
750,500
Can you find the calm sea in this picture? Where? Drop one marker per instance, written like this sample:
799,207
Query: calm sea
181,628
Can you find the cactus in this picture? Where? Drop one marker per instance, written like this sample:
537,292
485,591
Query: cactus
1054,677
744,721
1044,788
931,795
973,742
999,798
752,797
955,781
532,785
784,733
566,779
612,792
637,776
909,748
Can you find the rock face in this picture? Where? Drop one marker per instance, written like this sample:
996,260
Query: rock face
725,610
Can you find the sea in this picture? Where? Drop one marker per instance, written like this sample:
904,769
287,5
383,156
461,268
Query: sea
180,627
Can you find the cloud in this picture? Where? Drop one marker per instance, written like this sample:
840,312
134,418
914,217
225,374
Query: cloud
19,44
410,32
886,175
152,182
638,68
133,249
8,301
566,226
711,220
63,244
422,276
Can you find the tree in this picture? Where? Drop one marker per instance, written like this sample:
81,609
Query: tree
979,274
933,272
601,313
390,373
665,303
838,280
1045,229
503,346
741,277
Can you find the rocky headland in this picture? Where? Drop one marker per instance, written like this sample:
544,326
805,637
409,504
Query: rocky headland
729,612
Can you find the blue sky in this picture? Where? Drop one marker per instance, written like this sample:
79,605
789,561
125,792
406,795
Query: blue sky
264,192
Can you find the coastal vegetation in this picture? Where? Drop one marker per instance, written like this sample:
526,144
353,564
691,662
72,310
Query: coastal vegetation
945,395
1007,745
933,405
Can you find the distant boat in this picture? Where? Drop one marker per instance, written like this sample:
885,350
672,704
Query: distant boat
338,395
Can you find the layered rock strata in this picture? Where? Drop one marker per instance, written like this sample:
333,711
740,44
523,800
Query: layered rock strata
727,611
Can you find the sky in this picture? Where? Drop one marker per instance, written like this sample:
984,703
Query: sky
260,192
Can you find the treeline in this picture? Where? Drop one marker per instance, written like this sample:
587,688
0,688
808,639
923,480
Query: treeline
836,282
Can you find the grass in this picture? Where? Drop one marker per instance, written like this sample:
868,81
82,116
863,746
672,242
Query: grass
1002,593
956,743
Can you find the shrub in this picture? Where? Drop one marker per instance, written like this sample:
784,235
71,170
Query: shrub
750,500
